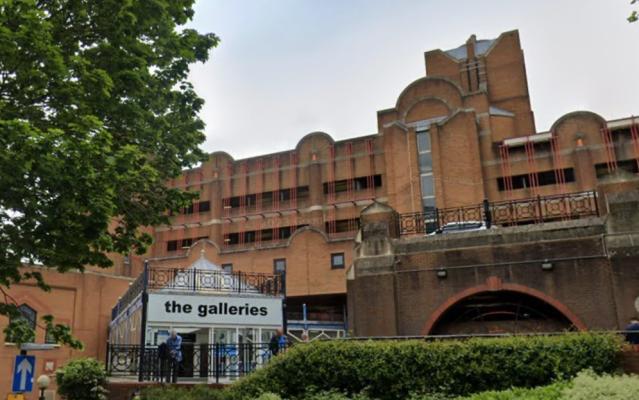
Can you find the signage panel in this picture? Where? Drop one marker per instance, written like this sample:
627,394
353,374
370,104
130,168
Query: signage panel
214,310
23,371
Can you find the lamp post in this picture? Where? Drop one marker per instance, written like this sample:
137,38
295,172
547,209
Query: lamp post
43,383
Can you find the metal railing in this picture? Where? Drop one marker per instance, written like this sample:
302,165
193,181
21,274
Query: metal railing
135,289
199,361
504,213
198,280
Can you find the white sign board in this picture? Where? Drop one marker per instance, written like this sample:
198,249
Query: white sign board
214,310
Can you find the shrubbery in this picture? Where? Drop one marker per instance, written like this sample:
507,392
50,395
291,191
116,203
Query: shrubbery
391,370
174,393
82,379
586,386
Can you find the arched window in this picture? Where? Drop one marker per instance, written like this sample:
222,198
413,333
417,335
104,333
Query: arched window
28,314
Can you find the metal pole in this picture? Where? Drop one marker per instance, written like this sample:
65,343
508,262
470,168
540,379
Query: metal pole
284,322
108,356
216,350
145,300
304,316
488,215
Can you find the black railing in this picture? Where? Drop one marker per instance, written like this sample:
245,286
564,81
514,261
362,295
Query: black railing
504,213
131,294
198,280
199,361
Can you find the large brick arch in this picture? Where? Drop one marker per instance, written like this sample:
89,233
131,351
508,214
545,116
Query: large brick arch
494,284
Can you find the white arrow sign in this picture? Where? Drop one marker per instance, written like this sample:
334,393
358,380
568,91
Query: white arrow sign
24,370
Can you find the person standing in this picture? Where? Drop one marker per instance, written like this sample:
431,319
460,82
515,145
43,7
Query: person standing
278,342
174,343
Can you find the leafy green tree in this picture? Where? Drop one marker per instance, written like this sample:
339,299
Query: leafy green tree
82,379
634,16
96,113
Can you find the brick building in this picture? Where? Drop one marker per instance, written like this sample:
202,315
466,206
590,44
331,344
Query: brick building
462,134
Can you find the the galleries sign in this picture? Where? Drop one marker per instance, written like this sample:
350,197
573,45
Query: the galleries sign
214,310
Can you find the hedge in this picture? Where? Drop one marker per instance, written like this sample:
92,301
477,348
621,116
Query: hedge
392,370
586,386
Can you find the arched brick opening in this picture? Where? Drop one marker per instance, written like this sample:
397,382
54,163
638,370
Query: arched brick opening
495,285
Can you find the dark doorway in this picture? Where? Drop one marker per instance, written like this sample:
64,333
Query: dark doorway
188,350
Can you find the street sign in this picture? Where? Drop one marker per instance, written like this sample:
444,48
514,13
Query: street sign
23,373
12,396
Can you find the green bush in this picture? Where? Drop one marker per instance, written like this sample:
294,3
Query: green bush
82,379
550,392
588,386
392,370
200,392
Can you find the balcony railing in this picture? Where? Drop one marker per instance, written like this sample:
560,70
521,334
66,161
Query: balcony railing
204,361
198,280
135,289
505,213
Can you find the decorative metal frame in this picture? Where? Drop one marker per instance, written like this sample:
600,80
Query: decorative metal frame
220,360
506,213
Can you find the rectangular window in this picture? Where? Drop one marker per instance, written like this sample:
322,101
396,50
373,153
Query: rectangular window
232,238
172,245
624,165
48,338
228,268
337,261
428,187
359,183
285,195
302,192
187,242
544,178
425,162
423,141
343,225
285,232
204,206
279,266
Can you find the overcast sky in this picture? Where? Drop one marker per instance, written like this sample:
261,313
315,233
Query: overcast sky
285,68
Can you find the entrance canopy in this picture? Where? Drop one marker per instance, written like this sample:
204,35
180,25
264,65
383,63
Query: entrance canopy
200,296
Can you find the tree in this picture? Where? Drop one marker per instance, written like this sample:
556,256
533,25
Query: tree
82,379
96,114
634,15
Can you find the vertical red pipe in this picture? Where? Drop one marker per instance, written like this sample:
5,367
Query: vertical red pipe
259,188
371,161
276,193
611,160
331,191
293,189
532,168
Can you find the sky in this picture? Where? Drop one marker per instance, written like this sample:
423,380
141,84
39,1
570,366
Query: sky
285,68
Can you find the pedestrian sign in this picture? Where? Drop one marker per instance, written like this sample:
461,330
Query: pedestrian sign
23,374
